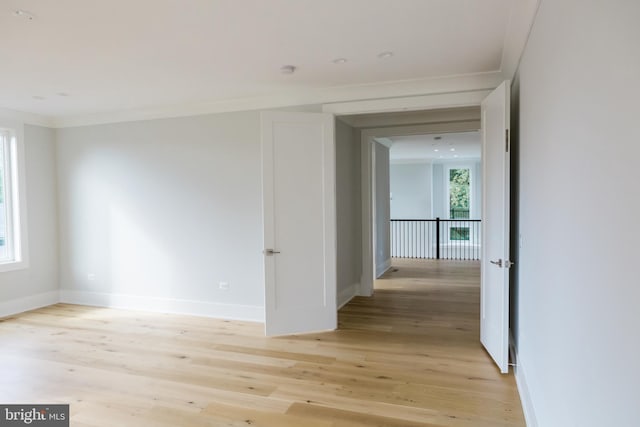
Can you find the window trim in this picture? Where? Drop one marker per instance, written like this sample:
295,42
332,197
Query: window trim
447,196
18,194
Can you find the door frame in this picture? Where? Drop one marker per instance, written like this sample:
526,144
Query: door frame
367,164
434,101
368,135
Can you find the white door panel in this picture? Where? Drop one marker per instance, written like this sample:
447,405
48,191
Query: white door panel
299,215
494,308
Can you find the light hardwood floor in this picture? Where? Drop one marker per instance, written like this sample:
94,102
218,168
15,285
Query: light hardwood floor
409,356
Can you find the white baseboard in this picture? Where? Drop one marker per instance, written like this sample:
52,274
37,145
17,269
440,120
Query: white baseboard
19,305
345,295
381,269
165,305
523,388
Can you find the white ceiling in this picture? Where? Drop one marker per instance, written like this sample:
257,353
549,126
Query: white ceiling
119,55
451,147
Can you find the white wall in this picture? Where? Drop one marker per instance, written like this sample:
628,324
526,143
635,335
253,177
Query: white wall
411,190
159,212
36,285
578,287
349,207
476,190
382,209
439,205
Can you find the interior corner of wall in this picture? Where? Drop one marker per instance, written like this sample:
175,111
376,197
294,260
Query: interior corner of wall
347,294
382,268
523,388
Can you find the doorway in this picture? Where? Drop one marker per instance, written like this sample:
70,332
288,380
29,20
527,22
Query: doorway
494,125
435,196
375,141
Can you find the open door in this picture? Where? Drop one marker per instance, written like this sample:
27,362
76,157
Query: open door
495,264
298,167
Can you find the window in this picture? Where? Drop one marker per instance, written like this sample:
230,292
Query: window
12,253
459,193
459,202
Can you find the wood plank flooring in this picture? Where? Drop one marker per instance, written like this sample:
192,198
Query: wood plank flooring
408,356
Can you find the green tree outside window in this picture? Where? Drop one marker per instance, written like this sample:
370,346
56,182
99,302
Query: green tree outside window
459,188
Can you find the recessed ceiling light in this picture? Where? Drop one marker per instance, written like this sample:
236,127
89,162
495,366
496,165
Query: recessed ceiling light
38,97
452,149
23,14
385,55
288,69
436,150
340,60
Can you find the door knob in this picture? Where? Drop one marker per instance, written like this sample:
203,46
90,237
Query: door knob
270,252
507,263
498,262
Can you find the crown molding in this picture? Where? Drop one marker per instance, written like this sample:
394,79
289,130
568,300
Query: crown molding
407,95
521,18
27,118
462,86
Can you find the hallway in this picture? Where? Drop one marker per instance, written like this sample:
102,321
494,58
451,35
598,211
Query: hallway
426,314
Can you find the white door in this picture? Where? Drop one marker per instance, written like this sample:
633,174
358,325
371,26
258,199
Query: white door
494,288
298,167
